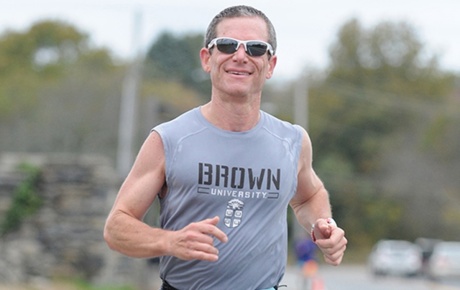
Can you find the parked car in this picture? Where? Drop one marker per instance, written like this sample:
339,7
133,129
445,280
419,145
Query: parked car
395,257
445,261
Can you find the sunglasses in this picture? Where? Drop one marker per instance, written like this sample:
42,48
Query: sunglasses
251,47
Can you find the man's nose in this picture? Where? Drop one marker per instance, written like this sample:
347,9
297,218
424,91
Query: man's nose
240,52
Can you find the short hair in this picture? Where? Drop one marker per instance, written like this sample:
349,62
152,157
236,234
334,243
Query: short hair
239,11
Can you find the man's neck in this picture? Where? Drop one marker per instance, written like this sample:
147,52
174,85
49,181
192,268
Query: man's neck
231,116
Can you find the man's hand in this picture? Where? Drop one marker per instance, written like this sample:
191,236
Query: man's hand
330,239
196,241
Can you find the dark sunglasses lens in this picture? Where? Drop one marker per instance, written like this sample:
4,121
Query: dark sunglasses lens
226,45
256,48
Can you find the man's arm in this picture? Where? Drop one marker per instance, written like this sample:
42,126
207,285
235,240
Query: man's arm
125,230
312,208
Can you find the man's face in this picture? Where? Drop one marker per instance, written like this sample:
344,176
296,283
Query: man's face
239,74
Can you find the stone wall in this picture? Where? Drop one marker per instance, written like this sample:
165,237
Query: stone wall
64,238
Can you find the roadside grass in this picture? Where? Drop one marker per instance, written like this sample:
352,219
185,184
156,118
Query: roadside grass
63,285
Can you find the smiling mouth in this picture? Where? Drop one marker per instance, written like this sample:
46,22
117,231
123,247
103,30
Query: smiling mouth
239,73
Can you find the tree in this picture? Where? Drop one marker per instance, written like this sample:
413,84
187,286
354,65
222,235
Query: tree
57,93
46,46
41,54
177,58
380,85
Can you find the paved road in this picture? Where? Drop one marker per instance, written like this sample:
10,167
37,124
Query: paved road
344,277
348,277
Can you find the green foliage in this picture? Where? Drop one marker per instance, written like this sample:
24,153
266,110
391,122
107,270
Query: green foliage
57,93
387,57
39,57
380,84
441,136
365,214
177,58
44,48
84,285
374,77
25,201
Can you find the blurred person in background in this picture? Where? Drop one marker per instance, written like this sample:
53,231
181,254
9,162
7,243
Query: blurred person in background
225,173
305,250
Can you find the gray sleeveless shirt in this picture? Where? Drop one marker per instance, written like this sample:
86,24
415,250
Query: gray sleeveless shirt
245,178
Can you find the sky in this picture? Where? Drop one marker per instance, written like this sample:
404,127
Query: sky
305,29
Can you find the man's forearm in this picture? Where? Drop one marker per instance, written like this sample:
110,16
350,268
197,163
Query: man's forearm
133,238
318,206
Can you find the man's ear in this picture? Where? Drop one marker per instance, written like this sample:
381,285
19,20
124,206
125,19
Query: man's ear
205,56
271,66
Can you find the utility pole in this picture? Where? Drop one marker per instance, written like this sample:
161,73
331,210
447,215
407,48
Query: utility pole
128,105
301,102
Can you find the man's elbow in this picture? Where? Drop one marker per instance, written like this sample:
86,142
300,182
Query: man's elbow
108,236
